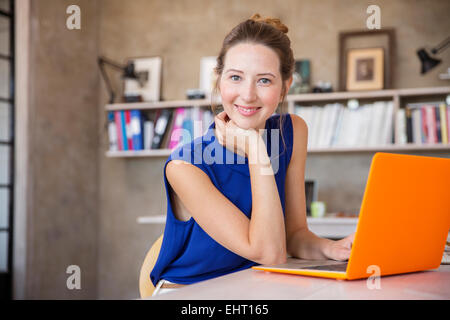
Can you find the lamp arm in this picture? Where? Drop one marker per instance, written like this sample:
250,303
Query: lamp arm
441,46
101,62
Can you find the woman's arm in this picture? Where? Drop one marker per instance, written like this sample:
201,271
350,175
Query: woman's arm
301,242
262,238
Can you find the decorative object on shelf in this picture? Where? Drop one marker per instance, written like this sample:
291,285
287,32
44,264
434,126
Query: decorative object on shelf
365,69
445,76
192,94
428,62
318,209
301,77
207,75
311,190
128,72
149,88
365,39
322,86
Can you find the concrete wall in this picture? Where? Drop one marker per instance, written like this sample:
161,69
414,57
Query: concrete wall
62,183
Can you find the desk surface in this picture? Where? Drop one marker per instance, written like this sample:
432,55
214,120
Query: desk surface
260,285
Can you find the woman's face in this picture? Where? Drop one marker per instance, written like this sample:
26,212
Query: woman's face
250,85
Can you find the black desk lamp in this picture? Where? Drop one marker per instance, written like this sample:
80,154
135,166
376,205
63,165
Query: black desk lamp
429,62
128,72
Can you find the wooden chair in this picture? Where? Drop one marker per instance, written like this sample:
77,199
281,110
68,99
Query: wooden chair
146,286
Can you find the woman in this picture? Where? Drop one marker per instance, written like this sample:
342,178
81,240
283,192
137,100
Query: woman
236,195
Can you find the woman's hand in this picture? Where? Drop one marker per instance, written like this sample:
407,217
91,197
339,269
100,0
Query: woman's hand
340,249
233,137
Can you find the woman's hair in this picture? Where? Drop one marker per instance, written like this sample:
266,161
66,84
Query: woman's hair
270,32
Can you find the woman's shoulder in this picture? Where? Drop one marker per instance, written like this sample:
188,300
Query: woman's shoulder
298,124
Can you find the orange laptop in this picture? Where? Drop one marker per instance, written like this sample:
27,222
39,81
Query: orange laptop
403,222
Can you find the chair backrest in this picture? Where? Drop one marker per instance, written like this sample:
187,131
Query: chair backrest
146,286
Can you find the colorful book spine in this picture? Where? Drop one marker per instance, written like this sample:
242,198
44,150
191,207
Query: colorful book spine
176,134
112,132
123,126
128,129
136,129
118,121
444,123
437,115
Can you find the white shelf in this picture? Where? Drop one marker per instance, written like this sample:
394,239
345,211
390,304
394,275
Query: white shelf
139,153
323,227
385,148
331,96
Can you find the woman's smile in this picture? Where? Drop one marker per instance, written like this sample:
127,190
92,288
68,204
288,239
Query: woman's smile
246,110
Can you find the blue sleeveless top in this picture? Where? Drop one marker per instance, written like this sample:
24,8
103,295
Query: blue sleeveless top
188,254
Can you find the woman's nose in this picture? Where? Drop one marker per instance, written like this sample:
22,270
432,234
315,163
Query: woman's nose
248,92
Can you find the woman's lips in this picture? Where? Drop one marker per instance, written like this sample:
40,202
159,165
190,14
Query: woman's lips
247,111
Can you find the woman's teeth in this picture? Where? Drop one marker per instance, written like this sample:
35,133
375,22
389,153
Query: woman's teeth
247,111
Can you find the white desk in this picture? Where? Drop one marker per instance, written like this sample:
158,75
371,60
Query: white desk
259,285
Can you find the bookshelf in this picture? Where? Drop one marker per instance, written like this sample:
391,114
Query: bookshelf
399,97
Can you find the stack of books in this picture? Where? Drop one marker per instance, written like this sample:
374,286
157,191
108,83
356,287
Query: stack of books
156,129
335,125
423,123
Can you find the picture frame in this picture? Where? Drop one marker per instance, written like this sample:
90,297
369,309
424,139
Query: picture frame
365,69
150,91
367,39
301,77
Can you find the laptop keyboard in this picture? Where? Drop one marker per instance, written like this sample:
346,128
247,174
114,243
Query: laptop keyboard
333,267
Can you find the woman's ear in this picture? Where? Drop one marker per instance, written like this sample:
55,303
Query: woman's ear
287,84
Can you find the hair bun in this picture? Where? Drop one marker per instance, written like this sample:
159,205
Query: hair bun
274,22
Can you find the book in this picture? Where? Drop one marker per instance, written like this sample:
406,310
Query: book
177,130
128,129
123,126
118,122
379,110
409,134
444,123
161,124
112,132
317,116
430,124
448,123
400,134
437,116
136,129
149,128
188,128
208,119
416,126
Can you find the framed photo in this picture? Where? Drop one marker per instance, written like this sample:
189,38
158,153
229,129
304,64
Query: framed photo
301,77
207,75
365,69
150,87
369,40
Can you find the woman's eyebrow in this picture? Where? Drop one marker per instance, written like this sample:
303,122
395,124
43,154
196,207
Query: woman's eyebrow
259,74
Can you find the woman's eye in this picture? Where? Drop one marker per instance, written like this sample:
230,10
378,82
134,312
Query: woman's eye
234,78
265,81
